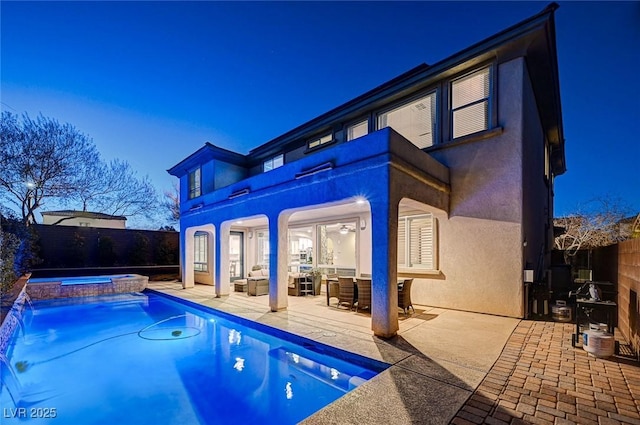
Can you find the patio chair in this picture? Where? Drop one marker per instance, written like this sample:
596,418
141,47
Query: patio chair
364,294
332,287
404,296
346,293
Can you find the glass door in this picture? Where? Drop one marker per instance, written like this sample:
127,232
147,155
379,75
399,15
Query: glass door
236,255
300,249
337,248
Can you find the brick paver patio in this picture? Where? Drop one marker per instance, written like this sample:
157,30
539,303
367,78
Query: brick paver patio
541,379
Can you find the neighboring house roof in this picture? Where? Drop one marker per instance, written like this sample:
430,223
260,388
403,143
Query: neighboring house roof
83,214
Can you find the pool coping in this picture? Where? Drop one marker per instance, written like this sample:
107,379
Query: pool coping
374,365
11,320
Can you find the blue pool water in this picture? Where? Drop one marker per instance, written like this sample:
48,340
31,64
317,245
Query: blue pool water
83,280
149,359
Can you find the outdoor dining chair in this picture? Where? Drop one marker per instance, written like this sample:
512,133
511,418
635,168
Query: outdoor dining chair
364,294
346,293
404,296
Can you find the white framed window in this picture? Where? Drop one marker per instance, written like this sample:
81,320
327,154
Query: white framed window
358,129
262,248
195,183
201,248
417,242
415,120
275,162
470,102
314,143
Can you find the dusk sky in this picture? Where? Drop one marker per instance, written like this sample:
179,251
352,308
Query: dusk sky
151,82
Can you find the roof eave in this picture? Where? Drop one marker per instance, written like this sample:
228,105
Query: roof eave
205,153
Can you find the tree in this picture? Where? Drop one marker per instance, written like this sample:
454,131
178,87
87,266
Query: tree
114,188
107,256
594,224
40,159
17,251
140,251
172,203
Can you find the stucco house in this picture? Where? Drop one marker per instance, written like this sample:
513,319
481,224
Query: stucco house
83,219
444,174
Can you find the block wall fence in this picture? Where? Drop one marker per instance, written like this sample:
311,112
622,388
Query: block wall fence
628,266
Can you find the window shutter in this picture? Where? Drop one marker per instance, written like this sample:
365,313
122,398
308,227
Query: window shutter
358,130
402,242
470,103
415,121
417,242
421,243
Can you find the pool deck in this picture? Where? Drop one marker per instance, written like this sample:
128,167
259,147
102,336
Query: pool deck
451,366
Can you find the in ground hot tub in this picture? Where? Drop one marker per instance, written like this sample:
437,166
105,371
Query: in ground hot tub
85,286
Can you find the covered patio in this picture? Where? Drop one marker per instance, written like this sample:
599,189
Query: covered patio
363,187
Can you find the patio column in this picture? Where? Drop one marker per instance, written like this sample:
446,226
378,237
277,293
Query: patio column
222,279
188,275
384,288
278,261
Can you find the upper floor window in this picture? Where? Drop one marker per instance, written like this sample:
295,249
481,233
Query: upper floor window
417,242
470,97
415,120
195,183
320,141
275,162
358,129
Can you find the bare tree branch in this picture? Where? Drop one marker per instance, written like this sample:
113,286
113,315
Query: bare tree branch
594,224
40,159
171,203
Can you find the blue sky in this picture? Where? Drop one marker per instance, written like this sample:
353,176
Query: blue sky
151,82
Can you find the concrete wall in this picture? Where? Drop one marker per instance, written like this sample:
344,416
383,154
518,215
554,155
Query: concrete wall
71,246
481,241
628,290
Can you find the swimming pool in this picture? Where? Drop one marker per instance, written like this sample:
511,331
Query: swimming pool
147,358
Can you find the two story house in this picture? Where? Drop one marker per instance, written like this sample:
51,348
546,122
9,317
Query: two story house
444,174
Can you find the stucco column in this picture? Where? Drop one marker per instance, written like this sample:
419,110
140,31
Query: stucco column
188,275
278,261
221,277
384,288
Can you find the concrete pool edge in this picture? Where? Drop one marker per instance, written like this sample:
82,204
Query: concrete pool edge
55,289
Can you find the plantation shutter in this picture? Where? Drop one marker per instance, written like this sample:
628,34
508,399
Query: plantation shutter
402,243
421,243
470,103
417,242
415,121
